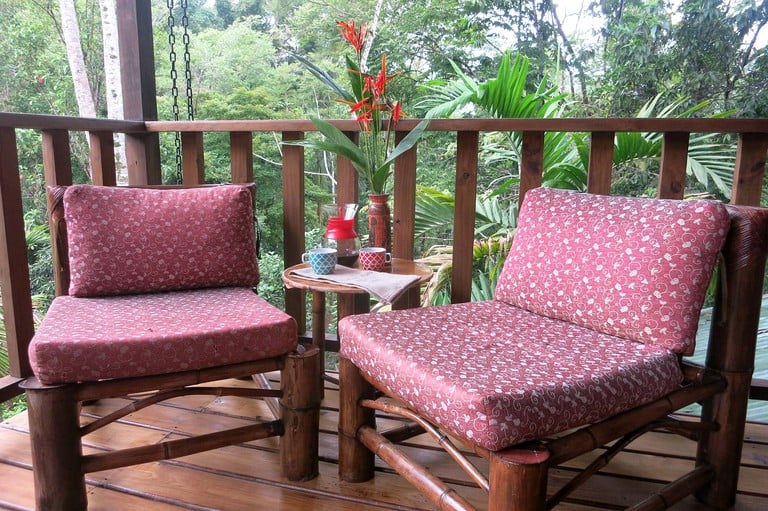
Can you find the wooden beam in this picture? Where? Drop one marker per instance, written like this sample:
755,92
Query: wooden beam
137,63
9,388
14,267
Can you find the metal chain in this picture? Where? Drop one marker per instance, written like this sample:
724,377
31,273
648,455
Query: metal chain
174,87
187,59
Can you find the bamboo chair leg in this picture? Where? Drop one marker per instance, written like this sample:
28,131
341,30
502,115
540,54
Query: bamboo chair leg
300,406
722,448
56,448
356,462
518,479
731,352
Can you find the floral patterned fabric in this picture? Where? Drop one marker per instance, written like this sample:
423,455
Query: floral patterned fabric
134,240
630,267
497,375
87,339
597,299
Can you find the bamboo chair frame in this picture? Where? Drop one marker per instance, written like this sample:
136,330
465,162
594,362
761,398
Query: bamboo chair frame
56,434
518,474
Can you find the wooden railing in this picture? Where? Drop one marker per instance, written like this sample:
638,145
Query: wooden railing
144,168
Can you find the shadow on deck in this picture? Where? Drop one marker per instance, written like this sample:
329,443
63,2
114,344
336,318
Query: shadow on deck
247,477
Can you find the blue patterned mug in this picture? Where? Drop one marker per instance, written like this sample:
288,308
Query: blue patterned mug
322,260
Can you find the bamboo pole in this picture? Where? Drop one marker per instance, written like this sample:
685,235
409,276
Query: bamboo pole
300,407
355,460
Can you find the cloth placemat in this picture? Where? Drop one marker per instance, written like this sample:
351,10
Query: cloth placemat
385,287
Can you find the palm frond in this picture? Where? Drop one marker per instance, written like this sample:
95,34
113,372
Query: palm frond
434,211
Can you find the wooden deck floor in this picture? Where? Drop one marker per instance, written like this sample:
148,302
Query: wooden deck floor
247,478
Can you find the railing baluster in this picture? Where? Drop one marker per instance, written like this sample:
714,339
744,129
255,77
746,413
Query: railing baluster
467,148
14,268
293,220
404,216
57,157
674,159
600,162
102,158
750,169
241,156
192,160
348,188
532,162
348,191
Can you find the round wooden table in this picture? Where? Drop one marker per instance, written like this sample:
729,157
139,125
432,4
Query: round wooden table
352,300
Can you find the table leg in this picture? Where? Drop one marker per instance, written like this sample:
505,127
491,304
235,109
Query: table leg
350,304
318,322
318,332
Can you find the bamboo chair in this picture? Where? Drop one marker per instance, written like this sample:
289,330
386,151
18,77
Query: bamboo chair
156,294
581,346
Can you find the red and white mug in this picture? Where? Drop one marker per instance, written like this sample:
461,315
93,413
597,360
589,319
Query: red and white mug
374,258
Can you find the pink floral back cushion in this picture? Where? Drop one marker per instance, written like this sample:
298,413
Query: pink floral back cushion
630,267
138,240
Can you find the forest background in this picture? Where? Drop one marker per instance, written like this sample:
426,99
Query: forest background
607,58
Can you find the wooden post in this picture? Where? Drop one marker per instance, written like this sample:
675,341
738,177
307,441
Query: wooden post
300,407
56,448
137,64
102,158
193,164
674,159
356,462
518,480
293,221
403,239
241,156
750,169
57,158
532,163
14,267
600,162
731,352
346,177
464,215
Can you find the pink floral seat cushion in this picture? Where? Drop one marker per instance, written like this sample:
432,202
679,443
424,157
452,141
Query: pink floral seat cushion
497,375
136,240
88,339
631,267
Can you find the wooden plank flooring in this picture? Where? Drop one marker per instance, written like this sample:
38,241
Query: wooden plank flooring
246,477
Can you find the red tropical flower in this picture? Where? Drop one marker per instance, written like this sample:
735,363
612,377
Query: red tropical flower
377,115
355,37
397,112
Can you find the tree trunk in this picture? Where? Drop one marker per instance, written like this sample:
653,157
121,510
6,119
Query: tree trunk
70,29
113,79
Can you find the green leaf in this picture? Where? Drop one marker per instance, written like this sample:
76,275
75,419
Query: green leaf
408,142
355,78
326,78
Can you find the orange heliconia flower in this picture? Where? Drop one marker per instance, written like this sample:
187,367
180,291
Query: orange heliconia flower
397,112
355,37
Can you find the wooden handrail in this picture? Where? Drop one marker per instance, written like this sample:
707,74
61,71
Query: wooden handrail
749,173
